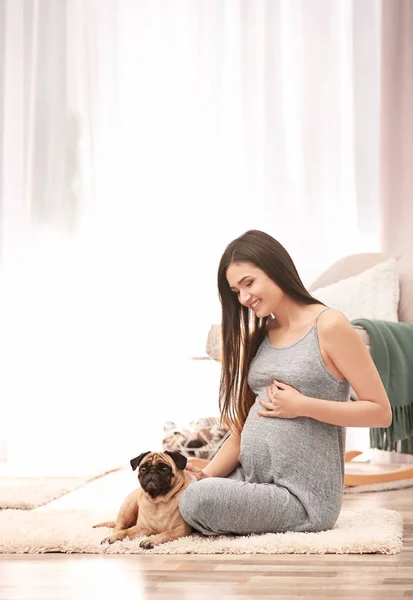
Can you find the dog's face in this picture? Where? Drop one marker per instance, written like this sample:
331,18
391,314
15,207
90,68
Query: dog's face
158,471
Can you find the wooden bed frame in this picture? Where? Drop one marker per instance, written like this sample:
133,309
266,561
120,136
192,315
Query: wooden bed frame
358,473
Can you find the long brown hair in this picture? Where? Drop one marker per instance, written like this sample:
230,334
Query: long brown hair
242,331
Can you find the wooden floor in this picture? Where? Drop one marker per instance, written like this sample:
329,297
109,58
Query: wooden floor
192,577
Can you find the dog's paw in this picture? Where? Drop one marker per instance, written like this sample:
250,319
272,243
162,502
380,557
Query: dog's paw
111,539
107,541
146,544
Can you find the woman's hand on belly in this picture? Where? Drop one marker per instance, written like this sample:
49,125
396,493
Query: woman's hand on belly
285,402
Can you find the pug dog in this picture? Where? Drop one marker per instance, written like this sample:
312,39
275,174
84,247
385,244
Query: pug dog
152,509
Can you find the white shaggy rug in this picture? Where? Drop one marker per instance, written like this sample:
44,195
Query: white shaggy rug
26,493
356,532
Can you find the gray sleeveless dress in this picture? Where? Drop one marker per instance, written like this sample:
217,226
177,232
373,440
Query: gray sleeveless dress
291,471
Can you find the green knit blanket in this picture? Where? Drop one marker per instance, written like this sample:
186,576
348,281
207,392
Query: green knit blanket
392,353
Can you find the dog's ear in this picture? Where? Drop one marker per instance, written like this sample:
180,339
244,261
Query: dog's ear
178,459
137,461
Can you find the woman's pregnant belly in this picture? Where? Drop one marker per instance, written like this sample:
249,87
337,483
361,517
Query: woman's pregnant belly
287,451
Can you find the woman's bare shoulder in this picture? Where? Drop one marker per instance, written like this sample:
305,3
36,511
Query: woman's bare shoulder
332,318
334,328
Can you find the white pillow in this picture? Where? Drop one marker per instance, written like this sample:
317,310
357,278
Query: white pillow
373,294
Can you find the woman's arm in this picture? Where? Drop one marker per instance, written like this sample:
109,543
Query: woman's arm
351,357
365,413
226,459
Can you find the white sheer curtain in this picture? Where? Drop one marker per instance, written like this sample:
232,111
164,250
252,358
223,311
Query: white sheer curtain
138,139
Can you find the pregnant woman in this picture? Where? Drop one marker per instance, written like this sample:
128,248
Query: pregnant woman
287,365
